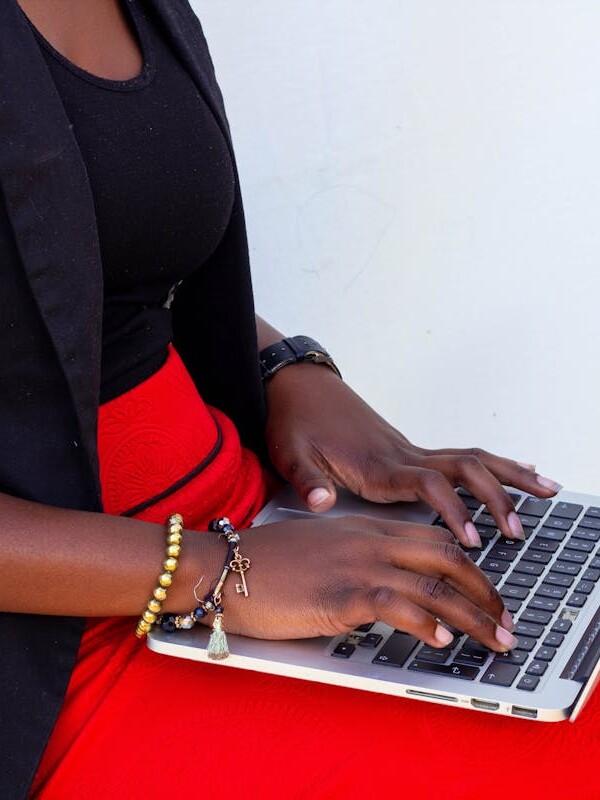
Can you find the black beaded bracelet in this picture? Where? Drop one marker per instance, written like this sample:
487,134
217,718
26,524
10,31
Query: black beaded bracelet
291,351
213,601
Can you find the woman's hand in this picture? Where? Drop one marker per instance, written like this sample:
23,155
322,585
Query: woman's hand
326,576
320,434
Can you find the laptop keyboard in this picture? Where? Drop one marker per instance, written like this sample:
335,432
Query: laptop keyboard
543,581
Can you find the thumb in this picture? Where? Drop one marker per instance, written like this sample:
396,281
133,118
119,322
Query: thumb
312,484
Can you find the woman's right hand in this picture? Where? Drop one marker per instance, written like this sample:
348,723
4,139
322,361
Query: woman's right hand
324,577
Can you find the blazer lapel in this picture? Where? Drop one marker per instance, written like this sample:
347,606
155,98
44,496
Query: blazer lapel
51,209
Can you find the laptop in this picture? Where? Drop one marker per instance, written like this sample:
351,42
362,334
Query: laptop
550,583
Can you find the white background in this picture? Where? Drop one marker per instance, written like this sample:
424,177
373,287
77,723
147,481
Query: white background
421,182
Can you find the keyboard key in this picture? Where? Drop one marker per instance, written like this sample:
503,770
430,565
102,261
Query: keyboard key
584,533
512,657
554,640
371,640
528,683
529,568
547,590
558,524
590,522
535,506
591,575
473,646
472,503
562,568
474,553
595,563
500,674
461,671
573,557
495,565
535,615
543,545
551,533
487,520
577,600
584,587
543,604
528,629
536,557
493,577
545,654
537,668
513,544
559,580
528,521
592,511
466,657
517,579
526,643
512,605
503,553
561,626
580,545
516,592
567,510
433,654
365,628
396,650
486,533
343,650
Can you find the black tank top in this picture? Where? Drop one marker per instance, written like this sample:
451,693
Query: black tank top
163,186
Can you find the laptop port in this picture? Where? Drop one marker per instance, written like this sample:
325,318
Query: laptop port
521,711
485,705
432,696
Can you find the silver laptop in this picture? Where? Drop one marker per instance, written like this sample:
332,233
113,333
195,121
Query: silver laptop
551,584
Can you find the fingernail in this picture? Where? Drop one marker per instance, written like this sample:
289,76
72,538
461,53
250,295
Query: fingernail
505,638
530,467
548,484
317,497
514,523
507,620
443,635
472,535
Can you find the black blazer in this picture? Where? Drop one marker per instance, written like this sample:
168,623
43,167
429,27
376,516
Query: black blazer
50,339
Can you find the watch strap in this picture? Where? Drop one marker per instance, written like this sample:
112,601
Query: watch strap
292,350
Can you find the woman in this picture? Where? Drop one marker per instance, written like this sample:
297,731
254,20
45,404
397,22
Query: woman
121,235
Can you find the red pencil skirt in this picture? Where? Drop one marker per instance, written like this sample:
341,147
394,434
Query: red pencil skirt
136,725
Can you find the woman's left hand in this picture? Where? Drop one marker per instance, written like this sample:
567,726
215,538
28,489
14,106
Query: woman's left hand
320,435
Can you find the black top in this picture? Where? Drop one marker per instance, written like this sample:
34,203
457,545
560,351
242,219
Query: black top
163,187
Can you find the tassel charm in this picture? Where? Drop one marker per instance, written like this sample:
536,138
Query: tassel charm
217,644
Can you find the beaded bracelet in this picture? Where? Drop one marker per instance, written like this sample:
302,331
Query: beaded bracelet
174,531
213,601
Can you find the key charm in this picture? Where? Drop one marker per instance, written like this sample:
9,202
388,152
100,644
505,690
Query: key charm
240,565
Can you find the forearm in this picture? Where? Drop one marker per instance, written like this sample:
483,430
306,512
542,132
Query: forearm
58,561
266,333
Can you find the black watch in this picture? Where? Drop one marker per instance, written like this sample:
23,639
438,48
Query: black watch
291,351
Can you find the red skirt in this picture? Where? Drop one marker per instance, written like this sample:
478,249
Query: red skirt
137,725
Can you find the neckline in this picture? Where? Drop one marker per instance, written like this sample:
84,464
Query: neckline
140,80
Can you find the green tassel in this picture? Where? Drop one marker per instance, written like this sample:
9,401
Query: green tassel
217,644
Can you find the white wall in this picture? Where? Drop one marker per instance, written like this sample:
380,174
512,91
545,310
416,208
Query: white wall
421,182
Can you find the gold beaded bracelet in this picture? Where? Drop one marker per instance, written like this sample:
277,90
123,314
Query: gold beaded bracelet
174,531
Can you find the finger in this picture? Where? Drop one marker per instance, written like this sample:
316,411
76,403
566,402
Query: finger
397,589
510,473
311,482
470,472
359,523
433,487
448,562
